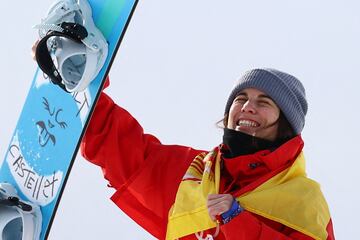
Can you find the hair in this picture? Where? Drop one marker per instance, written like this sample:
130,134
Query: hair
284,131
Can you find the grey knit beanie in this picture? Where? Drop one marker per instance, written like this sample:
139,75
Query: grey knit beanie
286,91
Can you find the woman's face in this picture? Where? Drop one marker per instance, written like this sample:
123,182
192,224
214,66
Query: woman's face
254,113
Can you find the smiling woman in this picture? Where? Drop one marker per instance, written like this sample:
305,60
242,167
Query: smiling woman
254,113
252,186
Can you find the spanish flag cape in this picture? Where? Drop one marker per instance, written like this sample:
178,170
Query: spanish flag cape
288,197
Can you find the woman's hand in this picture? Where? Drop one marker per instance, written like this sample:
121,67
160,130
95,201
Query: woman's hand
218,204
33,49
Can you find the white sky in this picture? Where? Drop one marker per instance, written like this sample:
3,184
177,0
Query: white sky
174,71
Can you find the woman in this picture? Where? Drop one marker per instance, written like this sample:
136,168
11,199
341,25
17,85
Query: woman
252,186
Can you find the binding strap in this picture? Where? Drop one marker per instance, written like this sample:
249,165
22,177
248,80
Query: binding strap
72,31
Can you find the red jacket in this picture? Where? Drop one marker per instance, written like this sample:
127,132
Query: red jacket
146,175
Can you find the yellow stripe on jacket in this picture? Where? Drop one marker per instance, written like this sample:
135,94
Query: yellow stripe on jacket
289,198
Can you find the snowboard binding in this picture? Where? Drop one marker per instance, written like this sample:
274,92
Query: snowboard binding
19,220
71,50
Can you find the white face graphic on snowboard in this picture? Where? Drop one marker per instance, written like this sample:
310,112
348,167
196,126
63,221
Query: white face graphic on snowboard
46,126
43,145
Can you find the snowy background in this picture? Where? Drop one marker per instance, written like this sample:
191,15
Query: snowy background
175,68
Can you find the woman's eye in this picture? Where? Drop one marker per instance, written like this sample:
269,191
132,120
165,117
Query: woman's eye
240,100
264,103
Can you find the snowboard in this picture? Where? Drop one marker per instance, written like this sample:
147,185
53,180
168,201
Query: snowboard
48,133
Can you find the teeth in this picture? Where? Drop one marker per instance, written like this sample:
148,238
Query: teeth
247,123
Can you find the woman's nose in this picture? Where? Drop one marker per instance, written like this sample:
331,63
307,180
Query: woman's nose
248,107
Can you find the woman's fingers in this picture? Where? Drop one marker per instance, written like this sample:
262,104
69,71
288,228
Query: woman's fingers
217,209
216,198
33,49
218,204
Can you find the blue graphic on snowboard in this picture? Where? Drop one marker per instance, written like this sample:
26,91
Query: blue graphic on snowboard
52,122
43,142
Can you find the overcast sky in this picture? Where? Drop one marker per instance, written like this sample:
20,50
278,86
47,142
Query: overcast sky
174,70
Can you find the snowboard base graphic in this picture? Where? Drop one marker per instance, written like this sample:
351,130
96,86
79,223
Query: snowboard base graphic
47,136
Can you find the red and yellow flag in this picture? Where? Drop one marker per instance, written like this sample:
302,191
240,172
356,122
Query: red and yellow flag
289,197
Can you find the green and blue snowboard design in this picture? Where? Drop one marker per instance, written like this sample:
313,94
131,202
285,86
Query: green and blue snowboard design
52,122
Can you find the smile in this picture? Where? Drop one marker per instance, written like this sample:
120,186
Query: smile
247,123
